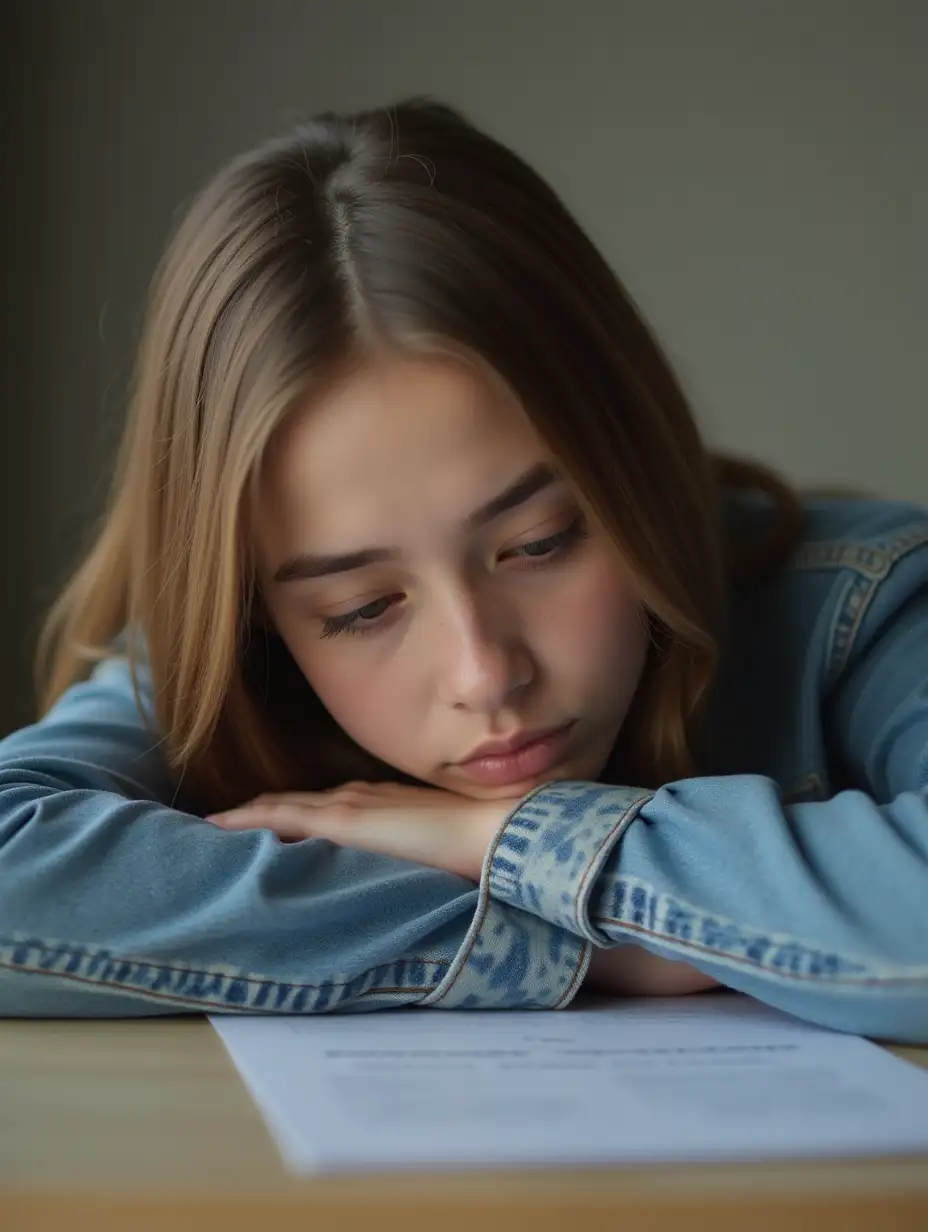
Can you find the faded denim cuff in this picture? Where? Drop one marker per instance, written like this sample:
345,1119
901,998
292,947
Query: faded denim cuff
511,959
549,852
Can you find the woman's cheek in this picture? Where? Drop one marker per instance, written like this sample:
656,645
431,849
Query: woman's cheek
599,622
366,702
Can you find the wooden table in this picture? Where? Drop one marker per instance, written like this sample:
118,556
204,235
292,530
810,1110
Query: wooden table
131,1126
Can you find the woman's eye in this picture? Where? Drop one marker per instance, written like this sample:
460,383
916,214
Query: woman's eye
544,551
362,620
539,553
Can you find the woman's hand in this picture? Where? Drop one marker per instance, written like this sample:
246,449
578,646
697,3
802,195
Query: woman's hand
424,824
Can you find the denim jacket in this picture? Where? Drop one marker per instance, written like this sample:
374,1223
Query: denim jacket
795,868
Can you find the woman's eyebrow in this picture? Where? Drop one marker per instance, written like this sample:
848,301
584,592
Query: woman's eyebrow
308,565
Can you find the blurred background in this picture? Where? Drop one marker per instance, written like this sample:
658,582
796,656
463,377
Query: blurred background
755,172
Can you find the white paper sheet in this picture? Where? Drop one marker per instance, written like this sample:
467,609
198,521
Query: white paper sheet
687,1078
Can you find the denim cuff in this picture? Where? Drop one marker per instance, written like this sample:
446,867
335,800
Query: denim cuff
512,957
549,852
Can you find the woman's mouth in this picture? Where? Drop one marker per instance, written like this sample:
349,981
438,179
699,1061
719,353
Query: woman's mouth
529,761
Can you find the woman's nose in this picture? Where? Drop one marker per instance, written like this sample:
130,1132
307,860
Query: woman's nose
484,660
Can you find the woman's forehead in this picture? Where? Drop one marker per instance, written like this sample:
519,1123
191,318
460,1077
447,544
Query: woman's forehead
411,425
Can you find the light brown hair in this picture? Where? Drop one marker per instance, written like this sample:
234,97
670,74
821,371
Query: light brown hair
404,227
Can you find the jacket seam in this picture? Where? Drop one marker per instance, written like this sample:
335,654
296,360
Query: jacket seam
594,862
252,983
858,593
850,553
576,979
745,961
175,998
207,972
845,626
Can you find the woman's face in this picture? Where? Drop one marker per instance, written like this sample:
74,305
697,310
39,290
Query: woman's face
440,585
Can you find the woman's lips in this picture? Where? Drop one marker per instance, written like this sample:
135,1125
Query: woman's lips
531,760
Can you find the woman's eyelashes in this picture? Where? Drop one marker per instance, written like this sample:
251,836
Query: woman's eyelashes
364,619
553,547
537,554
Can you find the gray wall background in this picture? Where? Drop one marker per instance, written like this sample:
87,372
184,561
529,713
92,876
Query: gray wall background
755,171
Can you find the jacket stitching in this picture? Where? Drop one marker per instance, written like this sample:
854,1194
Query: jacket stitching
576,979
744,960
872,560
849,613
174,998
64,951
635,807
253,985
870,565
463,957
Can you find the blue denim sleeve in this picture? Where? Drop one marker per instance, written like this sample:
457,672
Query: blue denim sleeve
113,903
820,909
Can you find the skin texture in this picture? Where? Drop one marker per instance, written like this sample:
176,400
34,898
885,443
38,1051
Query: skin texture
467,635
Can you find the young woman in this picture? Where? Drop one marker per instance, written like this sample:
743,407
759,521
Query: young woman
432,659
